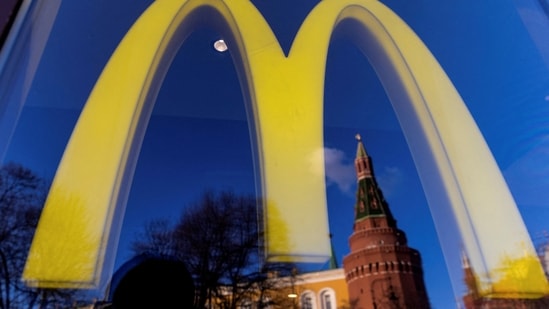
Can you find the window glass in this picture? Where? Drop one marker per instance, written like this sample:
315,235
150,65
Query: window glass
121,150
307,301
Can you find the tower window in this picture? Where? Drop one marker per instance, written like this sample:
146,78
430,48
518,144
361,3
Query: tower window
374,204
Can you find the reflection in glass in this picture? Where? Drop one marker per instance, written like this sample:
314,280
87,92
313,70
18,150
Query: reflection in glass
22,194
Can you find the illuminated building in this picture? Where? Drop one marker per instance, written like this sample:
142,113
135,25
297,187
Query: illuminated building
381,270
316,290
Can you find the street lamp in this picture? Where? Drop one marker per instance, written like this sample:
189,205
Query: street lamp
293,295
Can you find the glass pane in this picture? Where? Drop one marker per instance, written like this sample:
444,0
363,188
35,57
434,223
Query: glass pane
355,145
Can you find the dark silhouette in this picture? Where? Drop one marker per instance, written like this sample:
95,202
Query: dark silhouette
22,196
8,12
154,282
219,239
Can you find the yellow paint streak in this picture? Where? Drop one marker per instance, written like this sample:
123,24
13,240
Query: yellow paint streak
518,278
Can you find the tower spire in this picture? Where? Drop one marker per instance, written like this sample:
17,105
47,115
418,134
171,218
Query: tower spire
370,202
469,278
381,270
333,258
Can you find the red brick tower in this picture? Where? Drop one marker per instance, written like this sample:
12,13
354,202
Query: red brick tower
381,270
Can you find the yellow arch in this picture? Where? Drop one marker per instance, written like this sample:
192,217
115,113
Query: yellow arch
283,92
455,165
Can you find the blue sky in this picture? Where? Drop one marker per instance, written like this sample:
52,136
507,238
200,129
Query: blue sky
493,52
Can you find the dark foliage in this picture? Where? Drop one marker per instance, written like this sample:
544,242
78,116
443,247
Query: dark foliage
219,239
155,283
22,195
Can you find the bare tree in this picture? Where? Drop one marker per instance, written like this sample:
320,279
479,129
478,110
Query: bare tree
219,239
22,195
157,237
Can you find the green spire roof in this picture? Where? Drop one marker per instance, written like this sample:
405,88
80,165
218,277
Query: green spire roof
369,197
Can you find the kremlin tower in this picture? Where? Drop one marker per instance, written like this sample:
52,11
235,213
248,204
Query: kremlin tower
381,270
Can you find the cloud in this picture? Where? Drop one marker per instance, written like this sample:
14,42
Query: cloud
340,171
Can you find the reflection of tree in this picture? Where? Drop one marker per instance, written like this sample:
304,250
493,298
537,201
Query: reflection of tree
219,240
22,195
278,288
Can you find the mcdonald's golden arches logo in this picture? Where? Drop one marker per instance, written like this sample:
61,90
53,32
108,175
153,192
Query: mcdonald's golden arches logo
285,95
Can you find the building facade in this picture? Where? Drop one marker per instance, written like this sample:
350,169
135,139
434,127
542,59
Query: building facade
322,290
381,270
